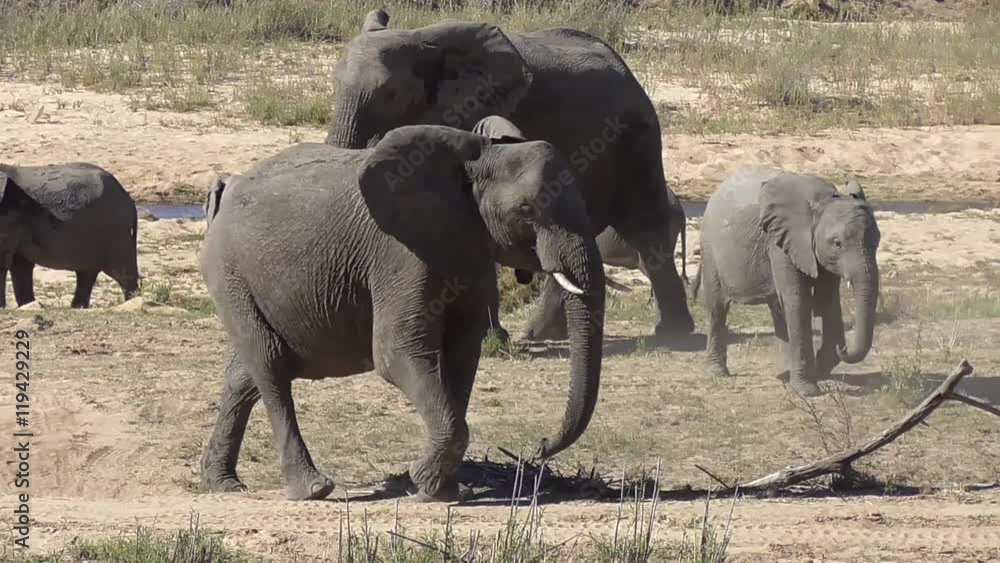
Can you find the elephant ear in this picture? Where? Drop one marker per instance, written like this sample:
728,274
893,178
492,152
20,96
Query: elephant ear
499,130
471,70
11,194
376,20
787,217
417,189
854,190
213,199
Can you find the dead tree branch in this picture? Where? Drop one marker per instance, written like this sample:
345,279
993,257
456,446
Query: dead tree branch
841,462
976,403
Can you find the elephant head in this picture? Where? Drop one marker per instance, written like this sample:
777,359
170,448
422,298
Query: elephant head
450,73
461,201
821,230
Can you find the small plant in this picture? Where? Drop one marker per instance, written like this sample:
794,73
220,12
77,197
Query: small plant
712,544
199,305
636,543
496,346
193,545
158,292
905,375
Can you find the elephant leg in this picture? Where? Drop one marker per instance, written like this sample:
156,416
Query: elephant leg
781,333
22,277
272,366
827,302
218,464
653,231
422,379
84,286
493,312
548,321
3,287
795,295
716,311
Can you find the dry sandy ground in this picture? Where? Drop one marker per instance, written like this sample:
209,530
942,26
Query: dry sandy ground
124,400
160,154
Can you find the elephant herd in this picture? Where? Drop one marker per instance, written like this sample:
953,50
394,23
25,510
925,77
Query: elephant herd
456,147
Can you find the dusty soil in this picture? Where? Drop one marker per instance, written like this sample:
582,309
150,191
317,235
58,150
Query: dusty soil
122,401
175,156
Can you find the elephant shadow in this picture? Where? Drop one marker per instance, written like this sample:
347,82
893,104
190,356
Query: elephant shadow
629,345
983,388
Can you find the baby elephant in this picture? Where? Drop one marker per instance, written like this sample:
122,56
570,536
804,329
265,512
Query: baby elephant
786,240
66,217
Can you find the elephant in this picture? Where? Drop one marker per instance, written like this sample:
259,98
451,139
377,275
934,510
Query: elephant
328,262
786,240
75,217
560,85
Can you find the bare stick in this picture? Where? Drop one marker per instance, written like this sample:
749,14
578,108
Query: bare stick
713,476
839,463
961,398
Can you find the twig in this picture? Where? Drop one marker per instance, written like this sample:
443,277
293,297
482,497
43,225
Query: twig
962,398
424,545
713,476
839,463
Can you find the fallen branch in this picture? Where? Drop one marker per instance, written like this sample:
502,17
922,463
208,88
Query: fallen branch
841,462
976,403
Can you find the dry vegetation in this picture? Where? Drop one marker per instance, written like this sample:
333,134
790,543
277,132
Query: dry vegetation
166,93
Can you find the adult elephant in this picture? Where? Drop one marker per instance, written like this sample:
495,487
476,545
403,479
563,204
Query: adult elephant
786,240
328,262
560,85
73,217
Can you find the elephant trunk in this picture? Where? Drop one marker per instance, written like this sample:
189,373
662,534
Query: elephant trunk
582,277
349,129
865,280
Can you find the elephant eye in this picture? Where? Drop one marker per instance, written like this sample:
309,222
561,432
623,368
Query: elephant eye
836,242
527,210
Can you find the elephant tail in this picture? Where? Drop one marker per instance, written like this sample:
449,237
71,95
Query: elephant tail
695,285
684,254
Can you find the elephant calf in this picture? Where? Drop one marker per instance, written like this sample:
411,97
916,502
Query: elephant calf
67,217
786,240
328,262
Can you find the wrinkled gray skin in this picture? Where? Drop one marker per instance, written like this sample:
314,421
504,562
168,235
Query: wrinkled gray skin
787,240
73,217
562,86
328,262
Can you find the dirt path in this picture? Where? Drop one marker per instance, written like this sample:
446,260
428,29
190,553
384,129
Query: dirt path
957,527
175,156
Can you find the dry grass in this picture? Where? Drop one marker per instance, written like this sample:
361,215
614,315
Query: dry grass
270,61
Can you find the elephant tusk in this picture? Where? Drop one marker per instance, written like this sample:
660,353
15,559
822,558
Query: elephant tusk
566,284
617,286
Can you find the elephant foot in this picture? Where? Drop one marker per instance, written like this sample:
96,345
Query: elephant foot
715,370
536,331
308,485
217,484
804,387
76,305
452,492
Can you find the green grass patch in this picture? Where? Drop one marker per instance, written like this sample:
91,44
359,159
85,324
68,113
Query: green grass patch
298,102
193,545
